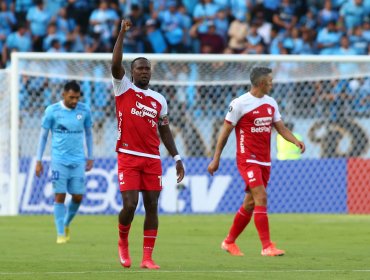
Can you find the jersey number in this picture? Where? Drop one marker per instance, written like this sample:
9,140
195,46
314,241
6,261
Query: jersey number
54,175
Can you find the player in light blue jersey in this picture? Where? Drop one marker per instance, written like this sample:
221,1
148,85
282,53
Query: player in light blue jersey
69,121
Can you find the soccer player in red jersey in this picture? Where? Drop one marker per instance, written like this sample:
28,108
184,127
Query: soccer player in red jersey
253,115
141,113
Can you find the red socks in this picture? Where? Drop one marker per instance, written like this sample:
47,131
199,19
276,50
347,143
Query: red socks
150,236
262,224
241,220
123,232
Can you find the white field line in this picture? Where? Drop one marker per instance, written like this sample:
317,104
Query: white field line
189,271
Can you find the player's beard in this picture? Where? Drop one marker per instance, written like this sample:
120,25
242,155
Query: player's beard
143,82
71,105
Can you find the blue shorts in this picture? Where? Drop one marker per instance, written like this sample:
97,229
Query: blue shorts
68,178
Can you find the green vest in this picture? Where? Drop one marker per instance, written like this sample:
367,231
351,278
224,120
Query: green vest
287,150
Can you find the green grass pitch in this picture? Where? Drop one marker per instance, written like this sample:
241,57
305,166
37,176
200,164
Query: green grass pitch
188,247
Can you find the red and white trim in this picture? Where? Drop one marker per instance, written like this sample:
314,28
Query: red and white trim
138,153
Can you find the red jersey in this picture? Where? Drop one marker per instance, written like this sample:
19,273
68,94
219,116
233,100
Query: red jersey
253,118
138,112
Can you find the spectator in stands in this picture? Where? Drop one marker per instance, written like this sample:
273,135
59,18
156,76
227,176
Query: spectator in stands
7,19
104,21
64,23
269,8
98,44
134,41
55,46
38,18
19,40
307,42
254,41
52,34
362,101
222,24
358,42
352,14
345,68
276,42
204,11
327,14
342,100
285,16
80,11
238,30
292,41
7,22
187,22
189,5
263,27
21,9
241,9
156,6
338,3
345,48
79,40
328,38
53,7
172,27
154,40
308,21
175,18
366,30
210,41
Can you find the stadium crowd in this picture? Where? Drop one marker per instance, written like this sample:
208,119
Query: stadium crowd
187,26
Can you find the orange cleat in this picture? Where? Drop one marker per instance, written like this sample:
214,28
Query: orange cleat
124,255
272,251
149,264
232,248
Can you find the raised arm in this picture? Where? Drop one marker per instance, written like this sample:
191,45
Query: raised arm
118,71
221,142
169,143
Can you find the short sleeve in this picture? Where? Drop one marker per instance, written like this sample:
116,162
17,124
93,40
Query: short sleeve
121,86
277,115
47,119
164,110
233,115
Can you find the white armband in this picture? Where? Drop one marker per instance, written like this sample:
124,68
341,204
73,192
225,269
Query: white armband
177,157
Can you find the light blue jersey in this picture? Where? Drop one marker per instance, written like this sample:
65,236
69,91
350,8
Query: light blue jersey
67,127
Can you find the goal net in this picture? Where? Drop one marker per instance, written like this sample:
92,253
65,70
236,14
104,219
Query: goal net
325,99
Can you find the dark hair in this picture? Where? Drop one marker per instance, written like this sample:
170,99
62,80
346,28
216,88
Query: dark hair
136,59
133,62
257,73
54,42
72,85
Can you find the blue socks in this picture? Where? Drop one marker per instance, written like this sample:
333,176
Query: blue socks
59,213
72,209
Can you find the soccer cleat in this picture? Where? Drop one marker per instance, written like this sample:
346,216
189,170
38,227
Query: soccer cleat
272,251
61,239
67,233
149,264
124,255
231,248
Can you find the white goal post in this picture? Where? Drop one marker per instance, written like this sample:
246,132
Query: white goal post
198,88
